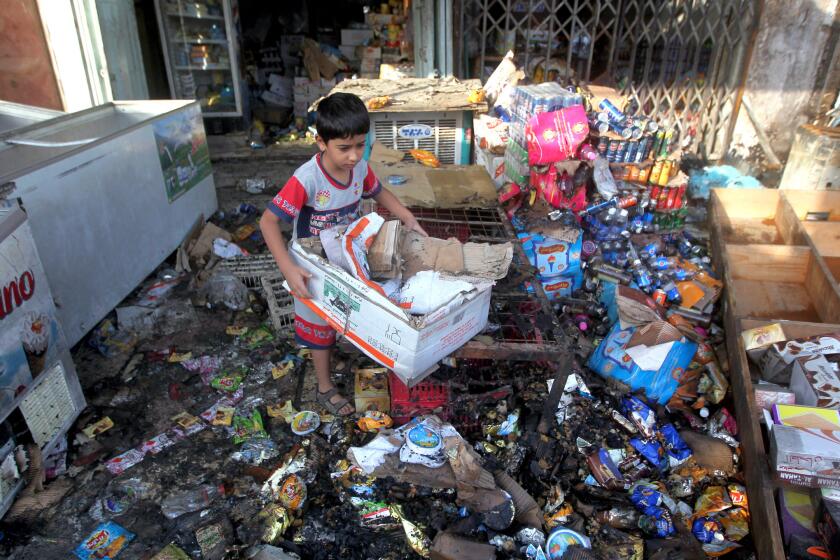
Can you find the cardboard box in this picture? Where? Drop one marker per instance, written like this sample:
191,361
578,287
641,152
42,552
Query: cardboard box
349,52
815,380
495,166
806,417
370,66
797,513
828,518
356,36
369,53
371,390
777,361
384,253
410,346
806,456
769,394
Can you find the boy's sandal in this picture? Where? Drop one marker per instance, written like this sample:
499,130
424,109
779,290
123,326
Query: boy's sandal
325,399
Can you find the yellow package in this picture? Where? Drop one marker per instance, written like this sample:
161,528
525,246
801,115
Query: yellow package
425,157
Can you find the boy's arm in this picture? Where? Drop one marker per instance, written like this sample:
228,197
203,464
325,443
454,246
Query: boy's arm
295,275
387,199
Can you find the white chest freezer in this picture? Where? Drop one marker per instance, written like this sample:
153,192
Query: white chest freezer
110,192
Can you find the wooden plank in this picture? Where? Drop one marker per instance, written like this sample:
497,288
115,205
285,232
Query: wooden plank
768,263
764,519
773,300
788,224
825,237
833,265
823,290
748,203
746,219
803,202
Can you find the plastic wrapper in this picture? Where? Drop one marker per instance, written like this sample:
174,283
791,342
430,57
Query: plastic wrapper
105,542
276,520
556,135
255,451
378,102
658,522
640,414
736,523
652,451
425,157
712,500
417,538
374,420
171,552
292,493
678,450
707,530
738,496
245,428
561,539
228,382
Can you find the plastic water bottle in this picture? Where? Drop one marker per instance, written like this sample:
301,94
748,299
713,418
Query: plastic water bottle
177,505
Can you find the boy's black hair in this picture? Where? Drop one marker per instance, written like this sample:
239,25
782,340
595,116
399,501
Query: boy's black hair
341,115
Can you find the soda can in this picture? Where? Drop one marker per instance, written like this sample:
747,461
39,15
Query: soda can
632,150
652,126
612,111
644,174
622,148
657,142
666,143
603,145
624,131
650,250
660,297
637,133
612,150
655,173
602,127
627,202
672,197
666,173
678,202
634,173
640,122
603,117
643,146
662,203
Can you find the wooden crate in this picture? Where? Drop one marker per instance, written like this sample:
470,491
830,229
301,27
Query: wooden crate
776,270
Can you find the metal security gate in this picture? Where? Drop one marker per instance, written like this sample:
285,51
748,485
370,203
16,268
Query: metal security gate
682,60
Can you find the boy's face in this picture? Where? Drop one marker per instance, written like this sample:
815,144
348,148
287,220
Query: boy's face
343,153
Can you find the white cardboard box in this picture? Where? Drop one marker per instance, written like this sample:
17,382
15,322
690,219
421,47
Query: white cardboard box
408,345
495,165
815,380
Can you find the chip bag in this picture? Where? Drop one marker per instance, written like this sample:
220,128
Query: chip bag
425,157
556,135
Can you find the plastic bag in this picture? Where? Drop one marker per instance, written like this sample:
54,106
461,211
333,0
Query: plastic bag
604,180
555,136
611,360
224,288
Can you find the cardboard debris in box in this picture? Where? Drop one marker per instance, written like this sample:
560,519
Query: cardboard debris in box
806,456
481,260
384,252
371,390
410,346
815,380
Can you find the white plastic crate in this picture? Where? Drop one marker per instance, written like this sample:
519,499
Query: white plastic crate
281,305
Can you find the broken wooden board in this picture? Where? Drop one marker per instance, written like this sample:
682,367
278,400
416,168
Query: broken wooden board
416,94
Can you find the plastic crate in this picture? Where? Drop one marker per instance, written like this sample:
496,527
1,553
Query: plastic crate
424,398
251,269
281,304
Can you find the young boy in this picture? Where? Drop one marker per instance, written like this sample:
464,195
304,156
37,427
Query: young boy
324,192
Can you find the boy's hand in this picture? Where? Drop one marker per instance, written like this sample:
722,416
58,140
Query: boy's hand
296,277
412,224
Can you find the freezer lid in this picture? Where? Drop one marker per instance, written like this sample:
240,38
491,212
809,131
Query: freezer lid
16,115
46,142
10,219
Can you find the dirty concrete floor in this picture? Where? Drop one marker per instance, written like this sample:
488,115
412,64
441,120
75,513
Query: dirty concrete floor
141,395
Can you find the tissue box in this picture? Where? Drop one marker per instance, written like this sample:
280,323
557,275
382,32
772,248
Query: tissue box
815,380
806,456
776,363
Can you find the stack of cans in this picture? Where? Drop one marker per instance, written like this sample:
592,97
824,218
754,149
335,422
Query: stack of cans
516,163
633,139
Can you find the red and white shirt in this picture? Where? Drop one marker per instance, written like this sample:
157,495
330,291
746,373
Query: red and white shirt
314,200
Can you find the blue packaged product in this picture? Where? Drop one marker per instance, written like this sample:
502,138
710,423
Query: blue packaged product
104,543
611,360
554,257
640,414
660,263
652,451
560,286
678,449
707,530
646,498
663,523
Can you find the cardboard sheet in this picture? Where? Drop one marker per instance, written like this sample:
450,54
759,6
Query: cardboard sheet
450,186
